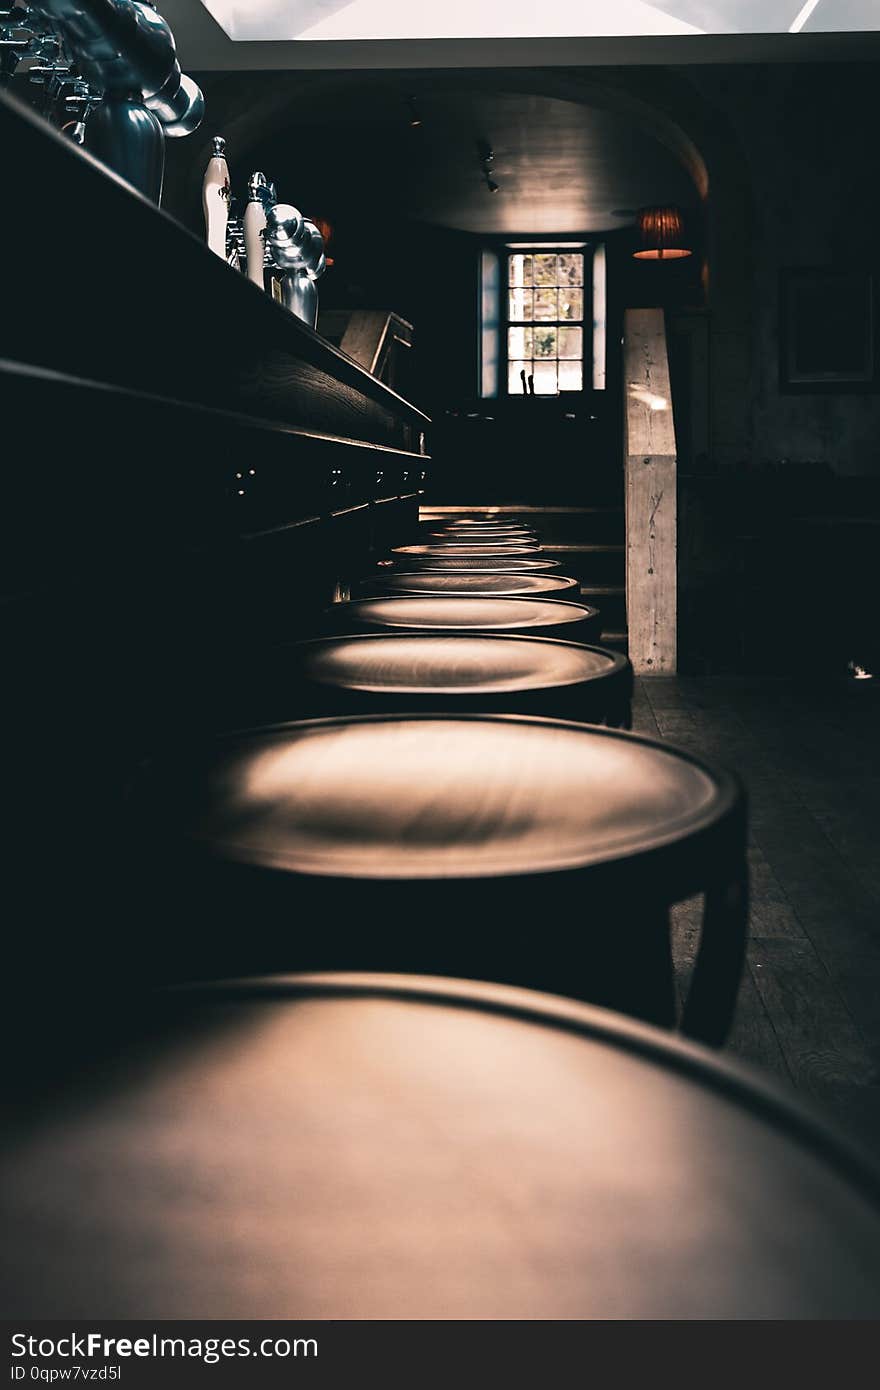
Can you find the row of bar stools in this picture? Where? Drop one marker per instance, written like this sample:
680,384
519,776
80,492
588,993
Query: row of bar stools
431,841
467,671
473,559
369,1125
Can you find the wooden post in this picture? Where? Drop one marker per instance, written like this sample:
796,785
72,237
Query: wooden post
651,481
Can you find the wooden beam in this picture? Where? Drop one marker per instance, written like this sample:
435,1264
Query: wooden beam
650,464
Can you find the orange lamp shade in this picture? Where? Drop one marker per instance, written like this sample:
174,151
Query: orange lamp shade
326,230
662,234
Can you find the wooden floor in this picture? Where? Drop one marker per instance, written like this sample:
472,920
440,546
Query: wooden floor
809,1007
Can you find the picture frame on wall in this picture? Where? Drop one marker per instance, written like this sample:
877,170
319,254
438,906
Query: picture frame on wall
827,330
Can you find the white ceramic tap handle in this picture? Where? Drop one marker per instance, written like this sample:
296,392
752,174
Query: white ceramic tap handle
215,198
254,221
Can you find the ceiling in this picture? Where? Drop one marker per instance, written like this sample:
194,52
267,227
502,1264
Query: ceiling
312,20
504,33
562,167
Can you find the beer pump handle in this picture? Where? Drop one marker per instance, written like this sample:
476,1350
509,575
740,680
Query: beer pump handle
254,221
215,198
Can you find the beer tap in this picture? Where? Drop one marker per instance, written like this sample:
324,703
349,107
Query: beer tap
23,35
261,196
216,197
124,51
296,248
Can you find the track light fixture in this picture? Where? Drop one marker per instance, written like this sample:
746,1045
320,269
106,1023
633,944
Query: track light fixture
487,159
415,118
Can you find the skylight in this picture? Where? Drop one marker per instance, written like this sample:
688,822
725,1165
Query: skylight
310,20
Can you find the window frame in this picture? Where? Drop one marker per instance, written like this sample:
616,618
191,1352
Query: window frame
554,246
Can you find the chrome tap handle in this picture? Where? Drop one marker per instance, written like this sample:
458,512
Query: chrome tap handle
180,104
285,232
125,47
296,248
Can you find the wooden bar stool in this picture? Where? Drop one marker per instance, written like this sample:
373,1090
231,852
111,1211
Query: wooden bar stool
432,537
474,583
501,564
382,1147
481,523
533,851
473,527
476,672
492,549
526,617
486,533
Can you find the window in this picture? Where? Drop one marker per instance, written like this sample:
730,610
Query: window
545,320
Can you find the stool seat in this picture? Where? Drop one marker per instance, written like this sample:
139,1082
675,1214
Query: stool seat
492,548
491,672
530,850
475,583
381,1147
482,523
478,538
574,622
461,796
500,564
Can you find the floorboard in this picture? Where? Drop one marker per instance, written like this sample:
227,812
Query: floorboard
809,1005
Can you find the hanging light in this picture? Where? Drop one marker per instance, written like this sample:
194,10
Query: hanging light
486,156
662,233
326,230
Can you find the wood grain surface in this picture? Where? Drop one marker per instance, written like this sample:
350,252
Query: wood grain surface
651,472
490,548
427,663
501,564
467,614
424,796
468,582
809,751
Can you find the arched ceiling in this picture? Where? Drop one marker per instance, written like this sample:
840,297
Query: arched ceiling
561,166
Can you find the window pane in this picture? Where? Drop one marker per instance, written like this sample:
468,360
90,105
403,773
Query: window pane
545,270
520,270
519,305
571,376
571,304
571,342
545,379
514,382
545,342
571,268
519,342
545,304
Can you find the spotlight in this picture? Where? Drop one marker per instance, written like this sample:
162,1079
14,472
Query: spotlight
487,159
415,119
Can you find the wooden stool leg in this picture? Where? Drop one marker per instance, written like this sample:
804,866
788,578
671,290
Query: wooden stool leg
711,1001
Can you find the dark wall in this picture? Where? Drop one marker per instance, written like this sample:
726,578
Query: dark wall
428,275
808,137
